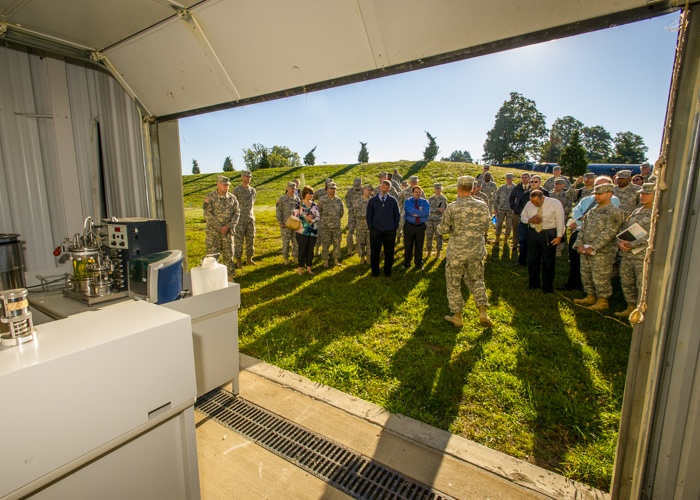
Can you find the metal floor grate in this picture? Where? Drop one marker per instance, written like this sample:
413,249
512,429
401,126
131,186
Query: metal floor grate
347,470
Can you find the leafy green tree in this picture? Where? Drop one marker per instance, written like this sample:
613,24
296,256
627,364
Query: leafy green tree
282,157
255,156
598,143
228,164
573,156
629,148
363,156
459,156
310,158
551,150
431,150
517,133
195,166
563,128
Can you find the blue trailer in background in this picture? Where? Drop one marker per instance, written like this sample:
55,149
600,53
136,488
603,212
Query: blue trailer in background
613,168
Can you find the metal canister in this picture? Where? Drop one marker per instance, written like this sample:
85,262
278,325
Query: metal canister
11,266
82,258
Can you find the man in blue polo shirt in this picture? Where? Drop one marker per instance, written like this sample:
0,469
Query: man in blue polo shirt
382,221
416,211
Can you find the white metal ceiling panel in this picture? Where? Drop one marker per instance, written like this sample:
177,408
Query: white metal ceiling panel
277,44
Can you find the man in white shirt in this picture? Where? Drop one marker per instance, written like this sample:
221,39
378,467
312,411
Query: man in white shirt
545,219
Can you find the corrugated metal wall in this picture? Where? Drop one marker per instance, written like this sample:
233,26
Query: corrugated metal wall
70,147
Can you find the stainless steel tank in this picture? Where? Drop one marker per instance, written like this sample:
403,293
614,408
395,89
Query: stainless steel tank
11,266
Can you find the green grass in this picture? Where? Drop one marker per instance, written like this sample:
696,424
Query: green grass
544,385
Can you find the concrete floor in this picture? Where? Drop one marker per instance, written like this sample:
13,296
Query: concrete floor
232,467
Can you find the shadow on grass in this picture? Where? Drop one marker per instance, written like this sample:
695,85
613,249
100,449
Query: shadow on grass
287,173
335,174
200,178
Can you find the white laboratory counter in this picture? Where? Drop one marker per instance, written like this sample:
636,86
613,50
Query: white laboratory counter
214,328
100,405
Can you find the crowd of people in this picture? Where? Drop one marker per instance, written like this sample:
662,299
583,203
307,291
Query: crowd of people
603,221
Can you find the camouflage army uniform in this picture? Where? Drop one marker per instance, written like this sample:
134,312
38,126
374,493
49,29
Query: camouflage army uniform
359,211
632,264
466,220
576,195
629,198
503,210
393,192
481,196
332,211
351,196
434,219
489,189
245,230
318,194
285,207
549,184
220,211
397,177
599,228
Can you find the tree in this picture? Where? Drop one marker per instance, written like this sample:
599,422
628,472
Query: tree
310,158
432,149
598,143
363,156
254,156
563,129
573,156
551,150
228,164
282,157
195,166
459,156
629,148
517,133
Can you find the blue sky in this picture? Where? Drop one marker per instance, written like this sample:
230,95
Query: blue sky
618,78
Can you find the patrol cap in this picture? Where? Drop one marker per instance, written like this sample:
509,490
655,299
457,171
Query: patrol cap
222,179
477,182
603,188
556,167
404,183
437,185
368,186
357,182
396,170
382,174
648,188
246,173
489,174
332,185
413,178
589,175
466,180
487,167
624,174
559,180
291,185
509,175
647,165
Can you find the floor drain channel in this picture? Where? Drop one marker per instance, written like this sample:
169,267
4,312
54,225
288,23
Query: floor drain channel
351,472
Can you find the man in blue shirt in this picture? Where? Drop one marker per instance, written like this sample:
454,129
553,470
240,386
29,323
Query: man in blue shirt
382,221
416,211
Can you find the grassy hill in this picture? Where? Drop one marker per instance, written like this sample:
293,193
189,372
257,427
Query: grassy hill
545,384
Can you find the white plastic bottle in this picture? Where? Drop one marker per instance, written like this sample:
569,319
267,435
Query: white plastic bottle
208,276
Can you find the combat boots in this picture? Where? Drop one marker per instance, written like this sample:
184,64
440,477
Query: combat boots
239,264
336,262
625,313
455,319
325,263
600,305
588,301
484,317
249,261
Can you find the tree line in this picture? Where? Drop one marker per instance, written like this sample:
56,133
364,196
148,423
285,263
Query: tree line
518,135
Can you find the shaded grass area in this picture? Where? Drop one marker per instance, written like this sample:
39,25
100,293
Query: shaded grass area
545,384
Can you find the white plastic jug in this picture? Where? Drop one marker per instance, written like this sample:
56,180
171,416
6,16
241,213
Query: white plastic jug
209,276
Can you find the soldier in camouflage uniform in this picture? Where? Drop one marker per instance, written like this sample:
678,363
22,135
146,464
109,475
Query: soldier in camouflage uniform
285,206
331,210
559,193
397,176
383,177
502,207
351,196
221,213
318,195
489,188
401,199
633,252
359,210
585,184
597,245
479,195
556,173
626,192
465,220
245,230
438,205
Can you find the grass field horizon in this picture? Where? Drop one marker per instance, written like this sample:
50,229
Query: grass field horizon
545,384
